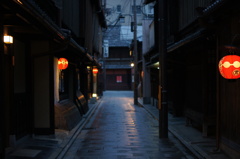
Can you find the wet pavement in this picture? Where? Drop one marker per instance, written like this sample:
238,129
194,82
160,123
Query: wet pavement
201,146
119,129
115,128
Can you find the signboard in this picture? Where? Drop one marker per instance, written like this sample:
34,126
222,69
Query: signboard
105,48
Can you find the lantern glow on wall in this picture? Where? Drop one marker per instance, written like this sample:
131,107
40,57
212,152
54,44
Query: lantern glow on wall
62,63
229,67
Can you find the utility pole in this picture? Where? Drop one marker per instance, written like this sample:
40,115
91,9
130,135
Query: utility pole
105,55
162,49
105,2
104,74
135,54
104,58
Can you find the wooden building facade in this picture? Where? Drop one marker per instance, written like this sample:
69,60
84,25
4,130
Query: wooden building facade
117,64
199,34
32,84
118,69
119,15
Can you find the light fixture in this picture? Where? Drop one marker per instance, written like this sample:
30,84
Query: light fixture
7,39
94,95
95,71
130,53
132,64
156,64
62,63
20,2
229,67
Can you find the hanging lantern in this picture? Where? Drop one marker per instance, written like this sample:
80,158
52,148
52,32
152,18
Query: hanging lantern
95,70
229,66
62,63
7,39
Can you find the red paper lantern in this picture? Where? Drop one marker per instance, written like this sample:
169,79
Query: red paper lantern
95,70
229,66
62,63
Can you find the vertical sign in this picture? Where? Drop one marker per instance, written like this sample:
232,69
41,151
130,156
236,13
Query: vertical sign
105,48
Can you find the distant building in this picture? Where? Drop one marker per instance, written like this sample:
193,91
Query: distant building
119,16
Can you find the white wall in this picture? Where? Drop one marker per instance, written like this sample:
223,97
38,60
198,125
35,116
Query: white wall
56,80
146,41
126,34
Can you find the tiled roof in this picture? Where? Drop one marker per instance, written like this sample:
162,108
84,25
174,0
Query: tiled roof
113,36
213,6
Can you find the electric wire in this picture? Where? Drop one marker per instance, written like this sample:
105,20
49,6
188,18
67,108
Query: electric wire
124,32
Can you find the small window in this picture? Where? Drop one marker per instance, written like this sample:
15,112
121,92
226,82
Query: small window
108,11
138,9
150,9
119,8
119,79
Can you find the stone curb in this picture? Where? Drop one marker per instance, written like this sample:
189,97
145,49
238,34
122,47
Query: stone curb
68,141
193,148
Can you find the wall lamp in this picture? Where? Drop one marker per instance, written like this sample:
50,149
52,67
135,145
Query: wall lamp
7,39
132,64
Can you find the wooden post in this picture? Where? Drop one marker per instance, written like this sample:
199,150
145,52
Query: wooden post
162,49
135,56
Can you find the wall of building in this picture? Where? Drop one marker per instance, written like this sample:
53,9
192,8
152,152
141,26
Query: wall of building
229,101
22,87
42,87
113,12
205,92
118,79
188,13
73,21
146,45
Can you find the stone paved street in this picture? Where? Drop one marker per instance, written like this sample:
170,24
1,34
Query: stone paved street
118,129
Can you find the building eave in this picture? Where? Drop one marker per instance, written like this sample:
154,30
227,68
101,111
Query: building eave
148,1
31,10
186,40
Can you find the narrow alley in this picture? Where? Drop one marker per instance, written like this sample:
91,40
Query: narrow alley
120,79
119,129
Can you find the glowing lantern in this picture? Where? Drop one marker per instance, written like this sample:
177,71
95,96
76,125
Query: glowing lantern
229,66
95,70
7,39
62,63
